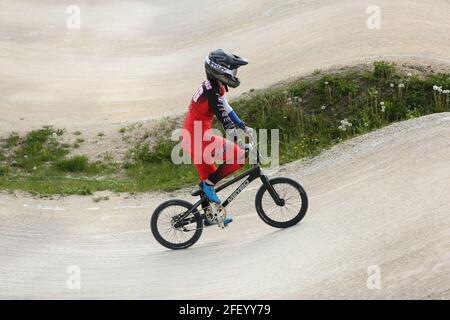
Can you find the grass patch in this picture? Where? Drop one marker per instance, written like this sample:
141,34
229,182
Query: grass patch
312,113
383,71
11,141
315,114
74,164
37,149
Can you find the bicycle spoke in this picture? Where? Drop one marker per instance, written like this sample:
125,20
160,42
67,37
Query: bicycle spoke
168,230
291,208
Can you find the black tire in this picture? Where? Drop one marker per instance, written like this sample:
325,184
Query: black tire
179,207
263,198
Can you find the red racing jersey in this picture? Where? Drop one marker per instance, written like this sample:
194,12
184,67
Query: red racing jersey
207,102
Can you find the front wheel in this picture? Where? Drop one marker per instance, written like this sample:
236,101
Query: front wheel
172,233
292,208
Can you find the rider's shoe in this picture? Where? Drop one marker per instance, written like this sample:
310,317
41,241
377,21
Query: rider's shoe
210,192
226,222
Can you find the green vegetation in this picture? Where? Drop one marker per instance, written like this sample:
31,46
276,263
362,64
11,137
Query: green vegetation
383,70
11,141
74,164
36,149
38,163
312,113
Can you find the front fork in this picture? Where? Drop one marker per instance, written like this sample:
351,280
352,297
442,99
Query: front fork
273,193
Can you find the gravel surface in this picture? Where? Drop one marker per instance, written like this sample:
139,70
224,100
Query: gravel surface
377,202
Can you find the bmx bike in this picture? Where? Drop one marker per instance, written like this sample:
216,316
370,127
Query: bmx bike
280,202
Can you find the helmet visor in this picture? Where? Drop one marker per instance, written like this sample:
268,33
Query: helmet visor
221,69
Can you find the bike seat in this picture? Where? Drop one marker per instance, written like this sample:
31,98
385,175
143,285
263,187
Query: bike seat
196,192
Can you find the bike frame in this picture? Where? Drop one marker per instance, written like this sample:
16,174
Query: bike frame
249,176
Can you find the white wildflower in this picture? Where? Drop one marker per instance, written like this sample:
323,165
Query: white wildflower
323,107
392,85
438,89
382,103
297,99
344,125
401,85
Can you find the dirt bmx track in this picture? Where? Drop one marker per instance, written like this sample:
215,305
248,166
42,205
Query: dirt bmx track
380,199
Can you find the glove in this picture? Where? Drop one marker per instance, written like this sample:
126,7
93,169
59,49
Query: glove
250,132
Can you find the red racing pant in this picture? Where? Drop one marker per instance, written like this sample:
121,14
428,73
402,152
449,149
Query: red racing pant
205,149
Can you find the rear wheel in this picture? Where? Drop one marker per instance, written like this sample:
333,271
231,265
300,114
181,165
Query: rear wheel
172,233
288,213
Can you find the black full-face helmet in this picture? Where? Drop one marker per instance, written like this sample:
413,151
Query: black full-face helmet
223,67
